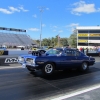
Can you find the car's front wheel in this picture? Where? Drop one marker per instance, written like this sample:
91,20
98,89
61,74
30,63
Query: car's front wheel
84,67
48,69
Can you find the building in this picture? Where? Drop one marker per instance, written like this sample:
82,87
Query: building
88,36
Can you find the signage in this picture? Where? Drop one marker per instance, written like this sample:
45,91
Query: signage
11,60
94,35
2,52
82,35
83,41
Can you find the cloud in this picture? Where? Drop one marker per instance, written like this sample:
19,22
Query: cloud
55,27
34,29
47,8
35,16
43,25
22,9
5,11
81,7
54,30
60,31
72,26
11,10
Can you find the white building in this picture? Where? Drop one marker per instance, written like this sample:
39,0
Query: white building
88,36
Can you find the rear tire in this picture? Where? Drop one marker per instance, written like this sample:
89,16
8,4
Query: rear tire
84,67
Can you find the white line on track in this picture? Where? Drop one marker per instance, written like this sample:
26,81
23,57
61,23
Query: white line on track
10,67
96,86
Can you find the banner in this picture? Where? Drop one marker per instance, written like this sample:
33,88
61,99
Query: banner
82,35
83,41
94,35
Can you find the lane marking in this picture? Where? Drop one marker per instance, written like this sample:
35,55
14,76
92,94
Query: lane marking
10,67
75,93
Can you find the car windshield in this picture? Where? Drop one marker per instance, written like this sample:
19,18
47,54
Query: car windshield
54,51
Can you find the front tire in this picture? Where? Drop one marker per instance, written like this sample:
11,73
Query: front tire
48,69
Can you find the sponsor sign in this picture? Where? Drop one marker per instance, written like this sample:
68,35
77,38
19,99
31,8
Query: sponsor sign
94,35
82,35
11,60
2,52
83,41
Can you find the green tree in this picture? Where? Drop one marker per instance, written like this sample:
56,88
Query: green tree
73,39
64,41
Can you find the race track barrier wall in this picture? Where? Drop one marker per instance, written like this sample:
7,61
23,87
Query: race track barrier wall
11,56
2,52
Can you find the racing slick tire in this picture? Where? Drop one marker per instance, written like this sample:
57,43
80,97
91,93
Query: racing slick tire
48,69
84,67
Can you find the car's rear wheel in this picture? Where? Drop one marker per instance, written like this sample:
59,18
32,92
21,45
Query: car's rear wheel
84,67
48,69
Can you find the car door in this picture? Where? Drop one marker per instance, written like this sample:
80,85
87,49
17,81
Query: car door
75,58
65,60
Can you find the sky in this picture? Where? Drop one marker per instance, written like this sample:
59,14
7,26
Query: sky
55,16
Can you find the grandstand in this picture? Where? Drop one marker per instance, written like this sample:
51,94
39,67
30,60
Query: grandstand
15,39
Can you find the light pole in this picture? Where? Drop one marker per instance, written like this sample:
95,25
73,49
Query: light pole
41,11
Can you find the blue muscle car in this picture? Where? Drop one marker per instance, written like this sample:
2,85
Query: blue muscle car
57,59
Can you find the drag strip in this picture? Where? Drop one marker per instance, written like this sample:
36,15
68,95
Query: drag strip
17,83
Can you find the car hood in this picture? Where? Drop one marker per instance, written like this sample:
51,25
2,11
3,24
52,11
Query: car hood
33,56
28,56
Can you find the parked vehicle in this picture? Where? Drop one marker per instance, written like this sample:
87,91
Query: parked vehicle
57,59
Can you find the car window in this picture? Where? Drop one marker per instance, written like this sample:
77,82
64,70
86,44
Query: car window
77,53
54,51
70,53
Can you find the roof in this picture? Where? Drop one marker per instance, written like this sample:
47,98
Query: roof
88,28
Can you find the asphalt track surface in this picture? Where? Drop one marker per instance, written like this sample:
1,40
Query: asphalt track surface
17,83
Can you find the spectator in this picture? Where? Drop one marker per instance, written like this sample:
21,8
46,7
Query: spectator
99,51
83,50
22,48
86,51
